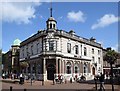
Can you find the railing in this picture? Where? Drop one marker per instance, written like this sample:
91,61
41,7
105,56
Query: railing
64,33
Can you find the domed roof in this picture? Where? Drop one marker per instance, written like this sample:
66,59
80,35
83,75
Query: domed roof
51,18
16,42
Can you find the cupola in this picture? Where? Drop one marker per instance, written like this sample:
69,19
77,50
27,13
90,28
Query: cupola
51,22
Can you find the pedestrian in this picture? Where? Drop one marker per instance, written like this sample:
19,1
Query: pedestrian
3,75
101,79
21,79
61,79
76,77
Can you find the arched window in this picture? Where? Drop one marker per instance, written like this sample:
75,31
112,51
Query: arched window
85,51
68,68
50,25
76,68
54,26
85,68
39,69
33,68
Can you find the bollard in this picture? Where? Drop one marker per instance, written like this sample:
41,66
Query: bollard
70,80
53,82
25,89
42,82
31,81
96,85
65,81
10,88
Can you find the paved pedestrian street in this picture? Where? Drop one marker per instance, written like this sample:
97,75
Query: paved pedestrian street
49,85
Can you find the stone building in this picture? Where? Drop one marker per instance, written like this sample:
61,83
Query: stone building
10,59
53,51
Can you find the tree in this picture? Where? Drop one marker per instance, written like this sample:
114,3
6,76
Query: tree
111,57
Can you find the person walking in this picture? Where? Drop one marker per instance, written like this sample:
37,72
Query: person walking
3,75
21,79
101,79
61,79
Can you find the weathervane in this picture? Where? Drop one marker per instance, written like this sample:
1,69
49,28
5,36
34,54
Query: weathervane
51,9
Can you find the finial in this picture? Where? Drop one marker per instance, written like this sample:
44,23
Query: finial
51,9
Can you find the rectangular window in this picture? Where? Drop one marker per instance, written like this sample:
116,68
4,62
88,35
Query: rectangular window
50,25
68,70
92,51
68,47
31,49
85,51
37,47
51,45
27,50
93,59
23,52
98,52
99,60
76,49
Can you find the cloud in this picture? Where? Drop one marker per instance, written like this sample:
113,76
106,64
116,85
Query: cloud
21,12
61,17
21,0
106,20
76,16
115,47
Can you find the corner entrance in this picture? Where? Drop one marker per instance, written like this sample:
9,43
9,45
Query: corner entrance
93,71
51,70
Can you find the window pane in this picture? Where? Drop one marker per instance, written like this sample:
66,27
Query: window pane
76,49
76,69
92,51
51,46
68,70
85,51
50,25
69,47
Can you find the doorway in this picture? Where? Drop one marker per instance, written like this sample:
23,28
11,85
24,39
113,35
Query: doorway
51,70
93,71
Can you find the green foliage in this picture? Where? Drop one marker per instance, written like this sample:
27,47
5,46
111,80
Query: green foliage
111,56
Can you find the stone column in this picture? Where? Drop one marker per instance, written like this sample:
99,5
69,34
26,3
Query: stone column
60,65
56,66
31,69
81,67
36,67
64,66
89,68
72,68
44,69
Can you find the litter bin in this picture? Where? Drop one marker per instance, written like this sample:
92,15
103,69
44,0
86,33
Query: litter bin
71,80
21,80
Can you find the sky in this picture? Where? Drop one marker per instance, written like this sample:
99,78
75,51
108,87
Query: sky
20,20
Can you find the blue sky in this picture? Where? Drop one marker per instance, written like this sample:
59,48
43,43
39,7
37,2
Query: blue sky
87,19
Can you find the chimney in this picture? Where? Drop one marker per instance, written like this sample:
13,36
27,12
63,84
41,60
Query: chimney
92,39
